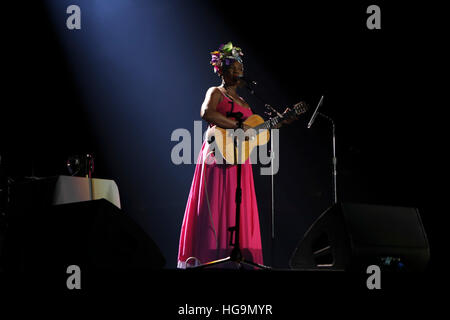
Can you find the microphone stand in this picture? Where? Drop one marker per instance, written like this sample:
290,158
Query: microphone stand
334,157
313,118
272,156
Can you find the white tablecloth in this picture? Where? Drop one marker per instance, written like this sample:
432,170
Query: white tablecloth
75,189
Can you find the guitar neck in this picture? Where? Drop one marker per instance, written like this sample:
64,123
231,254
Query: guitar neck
269,124
272,122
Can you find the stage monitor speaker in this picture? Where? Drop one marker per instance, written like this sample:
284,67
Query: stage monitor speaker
351,236
93,234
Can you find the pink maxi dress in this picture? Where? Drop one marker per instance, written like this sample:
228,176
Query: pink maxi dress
211,208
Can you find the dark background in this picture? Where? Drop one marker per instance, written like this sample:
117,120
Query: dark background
376,85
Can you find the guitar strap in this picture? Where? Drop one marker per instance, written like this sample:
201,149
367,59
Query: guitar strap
229,113
232,107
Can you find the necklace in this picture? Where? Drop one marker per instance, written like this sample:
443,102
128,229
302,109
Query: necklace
239,101
229,95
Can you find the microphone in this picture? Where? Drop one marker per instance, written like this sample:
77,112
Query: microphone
315,113
247,80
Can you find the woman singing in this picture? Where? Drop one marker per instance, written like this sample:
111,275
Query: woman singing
211,207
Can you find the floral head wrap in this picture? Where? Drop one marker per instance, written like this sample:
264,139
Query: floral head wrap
225,55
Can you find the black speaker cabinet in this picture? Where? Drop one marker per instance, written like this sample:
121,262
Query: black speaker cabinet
351,236
94,234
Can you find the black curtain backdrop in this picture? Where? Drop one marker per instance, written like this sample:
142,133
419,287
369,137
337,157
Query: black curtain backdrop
375,82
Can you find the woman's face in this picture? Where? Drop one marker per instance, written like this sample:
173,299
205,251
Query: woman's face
232,74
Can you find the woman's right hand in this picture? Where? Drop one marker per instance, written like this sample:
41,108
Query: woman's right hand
245,127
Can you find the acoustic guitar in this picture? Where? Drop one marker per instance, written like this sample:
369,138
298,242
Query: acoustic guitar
222,140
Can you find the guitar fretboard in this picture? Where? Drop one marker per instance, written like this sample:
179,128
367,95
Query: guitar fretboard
272,122
269,124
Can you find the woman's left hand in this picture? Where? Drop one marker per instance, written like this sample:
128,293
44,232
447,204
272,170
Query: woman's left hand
288,120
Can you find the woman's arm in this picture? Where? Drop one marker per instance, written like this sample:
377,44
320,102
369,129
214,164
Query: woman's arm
209,113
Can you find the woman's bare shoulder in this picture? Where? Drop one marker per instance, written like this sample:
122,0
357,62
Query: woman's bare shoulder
214,92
